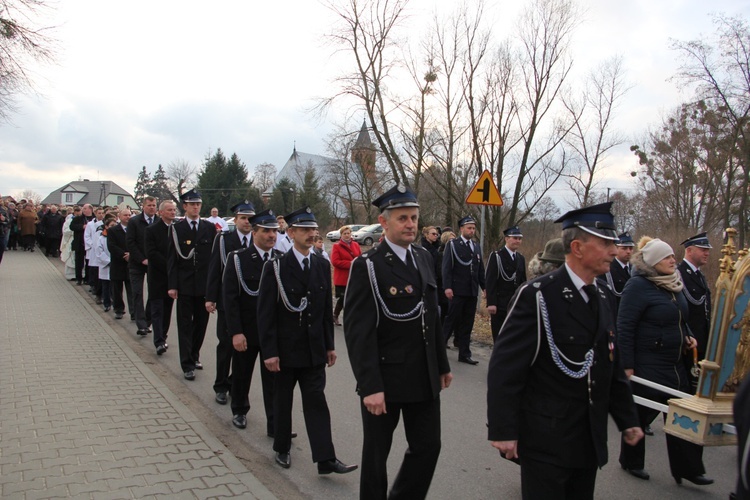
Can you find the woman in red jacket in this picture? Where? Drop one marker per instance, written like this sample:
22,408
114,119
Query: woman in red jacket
342,255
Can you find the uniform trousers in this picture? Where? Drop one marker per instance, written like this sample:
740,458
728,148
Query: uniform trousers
80,256
553,482
142,313
93,274
685,458
224,350
117,301
497,320
460,321
422,429
243,365
312,384
161,316
192,319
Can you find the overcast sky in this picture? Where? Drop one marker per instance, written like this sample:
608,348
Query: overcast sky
147,82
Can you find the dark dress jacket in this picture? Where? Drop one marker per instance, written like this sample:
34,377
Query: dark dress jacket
189,276
652,327
135,241
699,316
500,290
464,280
52,224
118,246
231,242
77,225
403,359
299,339
531,400
618,276
240,308
156,245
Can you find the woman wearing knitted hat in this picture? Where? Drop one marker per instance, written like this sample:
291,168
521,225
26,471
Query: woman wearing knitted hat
652,338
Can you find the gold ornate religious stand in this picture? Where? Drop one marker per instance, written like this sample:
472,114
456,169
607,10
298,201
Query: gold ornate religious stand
700,419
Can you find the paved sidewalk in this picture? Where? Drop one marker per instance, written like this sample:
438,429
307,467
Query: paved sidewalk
82,416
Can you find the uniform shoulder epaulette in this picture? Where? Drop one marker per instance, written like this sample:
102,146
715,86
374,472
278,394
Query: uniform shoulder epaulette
541,282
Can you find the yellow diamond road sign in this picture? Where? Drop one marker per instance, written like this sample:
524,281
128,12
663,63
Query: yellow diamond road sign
484,192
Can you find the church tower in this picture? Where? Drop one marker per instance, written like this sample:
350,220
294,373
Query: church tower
363,152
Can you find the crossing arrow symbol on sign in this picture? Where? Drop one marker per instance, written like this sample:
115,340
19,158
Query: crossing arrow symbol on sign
484,192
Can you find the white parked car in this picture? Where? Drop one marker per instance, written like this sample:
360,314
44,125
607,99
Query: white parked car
368,234
336,236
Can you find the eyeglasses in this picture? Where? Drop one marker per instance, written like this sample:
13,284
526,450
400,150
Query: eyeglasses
433,234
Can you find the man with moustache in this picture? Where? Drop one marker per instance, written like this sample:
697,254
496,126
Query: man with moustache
156,244
396,348
138,263
295,323
78,226
225,243
240,286
118,271
698,294
555,373
506,270
187,266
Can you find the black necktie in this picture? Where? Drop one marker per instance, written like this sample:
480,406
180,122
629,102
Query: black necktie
591,292
149,221
195,226
306,267
265,256
703,278
409,261
244,242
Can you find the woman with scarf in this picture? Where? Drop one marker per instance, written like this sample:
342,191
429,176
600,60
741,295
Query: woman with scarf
342,255
652,337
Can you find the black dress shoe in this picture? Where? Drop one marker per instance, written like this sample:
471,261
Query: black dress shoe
271,435
700,480
639,473
107,308
239,421
142,333
148,330
161,349
190,375
284,459
468,361
118,315
335,465
198,365
98,301
221,398
648,431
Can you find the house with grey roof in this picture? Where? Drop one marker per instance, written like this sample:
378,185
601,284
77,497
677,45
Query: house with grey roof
97,193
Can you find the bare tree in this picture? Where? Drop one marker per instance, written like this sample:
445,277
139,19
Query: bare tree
367,31
720,69
181,177
264,176
29,195
545,32
21,42
592,136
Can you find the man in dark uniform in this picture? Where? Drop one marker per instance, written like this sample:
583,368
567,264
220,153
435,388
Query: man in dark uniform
397,352
224,243
506,270
619,269
463,275
552,381
157,238
118,271
240,291
698,294
187,267
295,323
138,264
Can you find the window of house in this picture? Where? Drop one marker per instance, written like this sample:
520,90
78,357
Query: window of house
68,197
120,199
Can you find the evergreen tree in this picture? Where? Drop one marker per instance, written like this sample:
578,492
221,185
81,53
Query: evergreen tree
159,186
222,182
284,197
143,186
310,196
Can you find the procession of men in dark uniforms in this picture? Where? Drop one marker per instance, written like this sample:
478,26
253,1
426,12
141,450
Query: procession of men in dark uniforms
554,354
